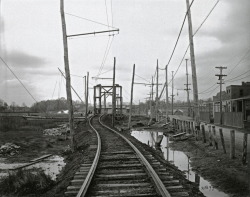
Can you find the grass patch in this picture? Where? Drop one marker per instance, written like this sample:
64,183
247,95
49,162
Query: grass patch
25,182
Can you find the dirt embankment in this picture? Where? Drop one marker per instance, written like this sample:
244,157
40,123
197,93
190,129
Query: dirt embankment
33,144
228,175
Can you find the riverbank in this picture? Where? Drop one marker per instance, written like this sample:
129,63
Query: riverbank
230,176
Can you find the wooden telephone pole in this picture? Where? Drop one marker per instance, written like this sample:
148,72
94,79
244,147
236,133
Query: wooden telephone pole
156,97
67,73
194,76
172,93
87,96
114,96
187,88
221,82
131,98
166,93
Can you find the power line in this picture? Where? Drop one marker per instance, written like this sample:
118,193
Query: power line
105,56
237,79
206,17
18,79
237,76
111,3
90,20
189,44
230,72
107,12
242,58
210,90
175,71
100,69
179,33
143,78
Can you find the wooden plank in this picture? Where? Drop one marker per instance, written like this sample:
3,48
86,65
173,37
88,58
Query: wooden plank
210,136
222,141
244,154
179,134
215,138
232,144
203,133
40,158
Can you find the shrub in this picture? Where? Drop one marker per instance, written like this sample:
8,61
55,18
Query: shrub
25,182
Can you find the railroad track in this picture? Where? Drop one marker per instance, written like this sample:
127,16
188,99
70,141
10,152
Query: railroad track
120,169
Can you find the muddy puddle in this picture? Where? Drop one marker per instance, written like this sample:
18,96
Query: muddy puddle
180,160
51,166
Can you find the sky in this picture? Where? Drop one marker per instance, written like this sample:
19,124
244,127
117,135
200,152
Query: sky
31,45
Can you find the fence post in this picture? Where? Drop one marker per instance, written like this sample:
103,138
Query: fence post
189,127
193,128
232,144
215,138
222,140
210,136
203,133
244,155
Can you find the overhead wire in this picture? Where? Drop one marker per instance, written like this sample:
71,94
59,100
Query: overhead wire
101,67
143,78
189,44
237,76
242,58
180,33
107,12
105,56
206,17
90,20
18,79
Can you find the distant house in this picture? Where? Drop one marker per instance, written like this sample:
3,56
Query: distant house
235,106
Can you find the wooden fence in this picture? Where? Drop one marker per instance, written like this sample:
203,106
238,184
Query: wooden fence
215,137
234,119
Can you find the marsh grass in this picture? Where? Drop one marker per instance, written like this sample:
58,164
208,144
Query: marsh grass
25,182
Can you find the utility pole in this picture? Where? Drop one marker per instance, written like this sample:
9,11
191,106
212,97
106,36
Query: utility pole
221,82
193,66
87,96
131,97
67,73
151,99
187,88
113,96
166,93
85,93
156,97
172,93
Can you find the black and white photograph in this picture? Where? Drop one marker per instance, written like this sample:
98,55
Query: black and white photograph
131,98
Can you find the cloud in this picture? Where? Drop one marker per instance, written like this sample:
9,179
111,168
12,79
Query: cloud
22,60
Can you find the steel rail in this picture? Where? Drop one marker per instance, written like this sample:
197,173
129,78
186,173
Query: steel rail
91,172
158,183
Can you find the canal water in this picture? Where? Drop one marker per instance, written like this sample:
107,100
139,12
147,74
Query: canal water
51,166
179,159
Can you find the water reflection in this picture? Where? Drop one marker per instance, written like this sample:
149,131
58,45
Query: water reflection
51,166
179,159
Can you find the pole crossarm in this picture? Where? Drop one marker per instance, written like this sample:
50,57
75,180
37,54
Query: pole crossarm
95,32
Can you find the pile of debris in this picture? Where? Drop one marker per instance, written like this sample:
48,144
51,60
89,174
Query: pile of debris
61,130
9,149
